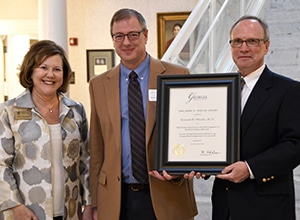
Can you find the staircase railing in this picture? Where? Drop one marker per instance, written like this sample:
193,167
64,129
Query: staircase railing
202,43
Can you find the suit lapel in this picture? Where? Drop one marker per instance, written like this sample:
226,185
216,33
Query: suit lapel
113,100
156,68
256,99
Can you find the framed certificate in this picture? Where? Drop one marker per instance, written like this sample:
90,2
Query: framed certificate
198,122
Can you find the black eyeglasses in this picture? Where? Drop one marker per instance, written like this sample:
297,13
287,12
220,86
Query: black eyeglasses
251,42
133,35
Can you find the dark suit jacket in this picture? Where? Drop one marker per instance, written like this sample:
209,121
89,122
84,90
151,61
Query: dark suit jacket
270,143
171,201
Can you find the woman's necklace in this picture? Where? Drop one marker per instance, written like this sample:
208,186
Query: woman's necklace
50,110
44,106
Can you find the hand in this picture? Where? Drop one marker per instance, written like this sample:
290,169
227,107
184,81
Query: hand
193,174
236,172
163,177
21,212
87,213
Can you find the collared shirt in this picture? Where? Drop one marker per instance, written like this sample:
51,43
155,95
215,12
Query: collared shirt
143,71
250,81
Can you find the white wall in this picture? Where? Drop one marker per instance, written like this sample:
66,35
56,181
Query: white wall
1,71
17,47
18,23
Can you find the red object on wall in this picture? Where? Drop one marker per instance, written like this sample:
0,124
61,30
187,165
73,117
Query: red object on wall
73,41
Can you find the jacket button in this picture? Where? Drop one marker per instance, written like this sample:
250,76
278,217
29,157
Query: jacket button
264,180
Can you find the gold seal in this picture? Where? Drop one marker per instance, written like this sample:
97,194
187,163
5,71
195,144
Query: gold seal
178,150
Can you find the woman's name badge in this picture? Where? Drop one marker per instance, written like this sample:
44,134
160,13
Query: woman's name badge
24,114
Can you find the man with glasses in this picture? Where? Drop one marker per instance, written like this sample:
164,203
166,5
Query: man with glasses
260,186
117,192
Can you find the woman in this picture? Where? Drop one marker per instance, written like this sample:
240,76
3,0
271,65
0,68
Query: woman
43,149
175,31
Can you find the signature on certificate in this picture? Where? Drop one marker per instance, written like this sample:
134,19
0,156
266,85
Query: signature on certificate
209,152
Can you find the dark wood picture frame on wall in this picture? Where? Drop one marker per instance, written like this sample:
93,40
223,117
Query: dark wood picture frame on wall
165,22
99,61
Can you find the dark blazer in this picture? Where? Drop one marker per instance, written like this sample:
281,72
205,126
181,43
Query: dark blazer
270,143
171,200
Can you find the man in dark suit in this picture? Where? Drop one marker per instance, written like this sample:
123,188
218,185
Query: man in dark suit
260,186
115,191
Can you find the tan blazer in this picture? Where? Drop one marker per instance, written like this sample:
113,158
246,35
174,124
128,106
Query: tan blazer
171,201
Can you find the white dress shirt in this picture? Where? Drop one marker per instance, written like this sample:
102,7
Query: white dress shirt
250,81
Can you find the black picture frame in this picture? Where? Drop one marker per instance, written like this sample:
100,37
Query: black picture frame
99,61
170,90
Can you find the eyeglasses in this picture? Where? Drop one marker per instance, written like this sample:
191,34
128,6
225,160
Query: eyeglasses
133,35
251,42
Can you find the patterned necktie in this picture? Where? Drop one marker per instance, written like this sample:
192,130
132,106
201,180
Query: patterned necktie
137,129
242,83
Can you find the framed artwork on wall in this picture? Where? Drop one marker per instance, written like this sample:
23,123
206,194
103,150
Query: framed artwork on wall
165,23
99,61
